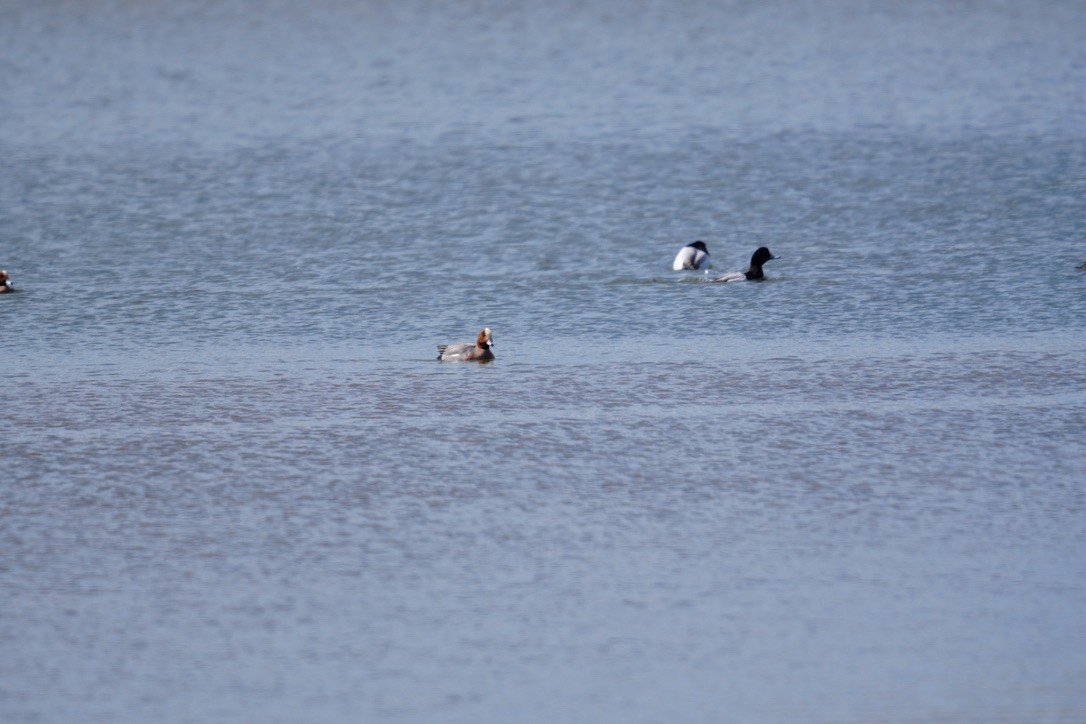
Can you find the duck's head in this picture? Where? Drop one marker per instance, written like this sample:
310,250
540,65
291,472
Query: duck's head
700,245
761,256
3,276
484,340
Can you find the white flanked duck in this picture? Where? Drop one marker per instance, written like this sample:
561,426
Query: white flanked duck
467,352
760,257
691,256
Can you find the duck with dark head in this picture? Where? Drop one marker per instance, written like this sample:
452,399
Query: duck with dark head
755,273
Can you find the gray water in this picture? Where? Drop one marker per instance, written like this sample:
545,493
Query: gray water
236,485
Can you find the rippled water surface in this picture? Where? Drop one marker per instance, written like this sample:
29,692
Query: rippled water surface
236,485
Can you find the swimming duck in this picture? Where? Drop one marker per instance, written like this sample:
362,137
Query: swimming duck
467,352
1082,265
761,256
5,285
691,256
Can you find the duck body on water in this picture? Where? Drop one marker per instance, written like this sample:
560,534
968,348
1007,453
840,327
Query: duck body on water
467,352
754,273
691,256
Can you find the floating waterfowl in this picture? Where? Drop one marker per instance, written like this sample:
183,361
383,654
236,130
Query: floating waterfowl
760,257
467,352
691,256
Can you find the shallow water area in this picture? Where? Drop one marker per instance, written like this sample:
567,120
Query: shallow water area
237,485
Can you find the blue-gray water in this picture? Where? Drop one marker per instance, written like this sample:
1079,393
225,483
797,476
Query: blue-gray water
236,486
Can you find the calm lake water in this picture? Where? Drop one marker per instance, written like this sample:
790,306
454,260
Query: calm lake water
237,486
